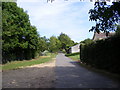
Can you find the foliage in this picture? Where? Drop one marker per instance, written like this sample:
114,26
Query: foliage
54,44
102,54
75,43
43,44
105,16
66,42
87,41
60,43
20,39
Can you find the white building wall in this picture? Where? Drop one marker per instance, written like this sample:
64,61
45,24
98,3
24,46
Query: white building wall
75,48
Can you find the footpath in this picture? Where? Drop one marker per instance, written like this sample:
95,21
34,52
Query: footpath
71,75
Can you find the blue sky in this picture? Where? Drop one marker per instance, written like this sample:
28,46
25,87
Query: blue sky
70,17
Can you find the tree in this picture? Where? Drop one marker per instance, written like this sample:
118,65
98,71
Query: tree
105,16
87,41
43,44
54,44
66,42
19,38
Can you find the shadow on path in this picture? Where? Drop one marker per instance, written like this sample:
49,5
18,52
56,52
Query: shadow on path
71,75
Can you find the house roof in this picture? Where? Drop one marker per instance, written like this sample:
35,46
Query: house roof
101,35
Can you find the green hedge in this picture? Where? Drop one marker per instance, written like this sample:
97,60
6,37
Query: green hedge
102,54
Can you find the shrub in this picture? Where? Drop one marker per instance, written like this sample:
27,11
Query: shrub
102,54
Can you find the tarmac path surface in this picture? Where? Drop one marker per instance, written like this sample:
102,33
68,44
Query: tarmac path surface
61,72
71,75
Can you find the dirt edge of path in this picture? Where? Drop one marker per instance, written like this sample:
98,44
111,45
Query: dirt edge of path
35,76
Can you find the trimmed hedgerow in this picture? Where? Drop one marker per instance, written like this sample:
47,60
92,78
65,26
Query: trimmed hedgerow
102,54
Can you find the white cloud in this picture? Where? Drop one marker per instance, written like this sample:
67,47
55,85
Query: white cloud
70,17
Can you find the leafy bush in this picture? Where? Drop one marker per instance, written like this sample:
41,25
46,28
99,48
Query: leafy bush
20,40
102,54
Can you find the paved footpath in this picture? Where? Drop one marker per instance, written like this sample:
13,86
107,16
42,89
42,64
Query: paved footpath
71,75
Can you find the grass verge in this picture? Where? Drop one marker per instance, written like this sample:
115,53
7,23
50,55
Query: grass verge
74,56
24,63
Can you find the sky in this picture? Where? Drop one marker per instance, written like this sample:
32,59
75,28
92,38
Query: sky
70,17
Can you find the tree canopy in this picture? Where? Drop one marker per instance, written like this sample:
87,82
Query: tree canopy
105,16
61,43
19,38
87,41
66,42
54,44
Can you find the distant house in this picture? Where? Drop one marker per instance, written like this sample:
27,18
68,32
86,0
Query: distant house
75,49
100,36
